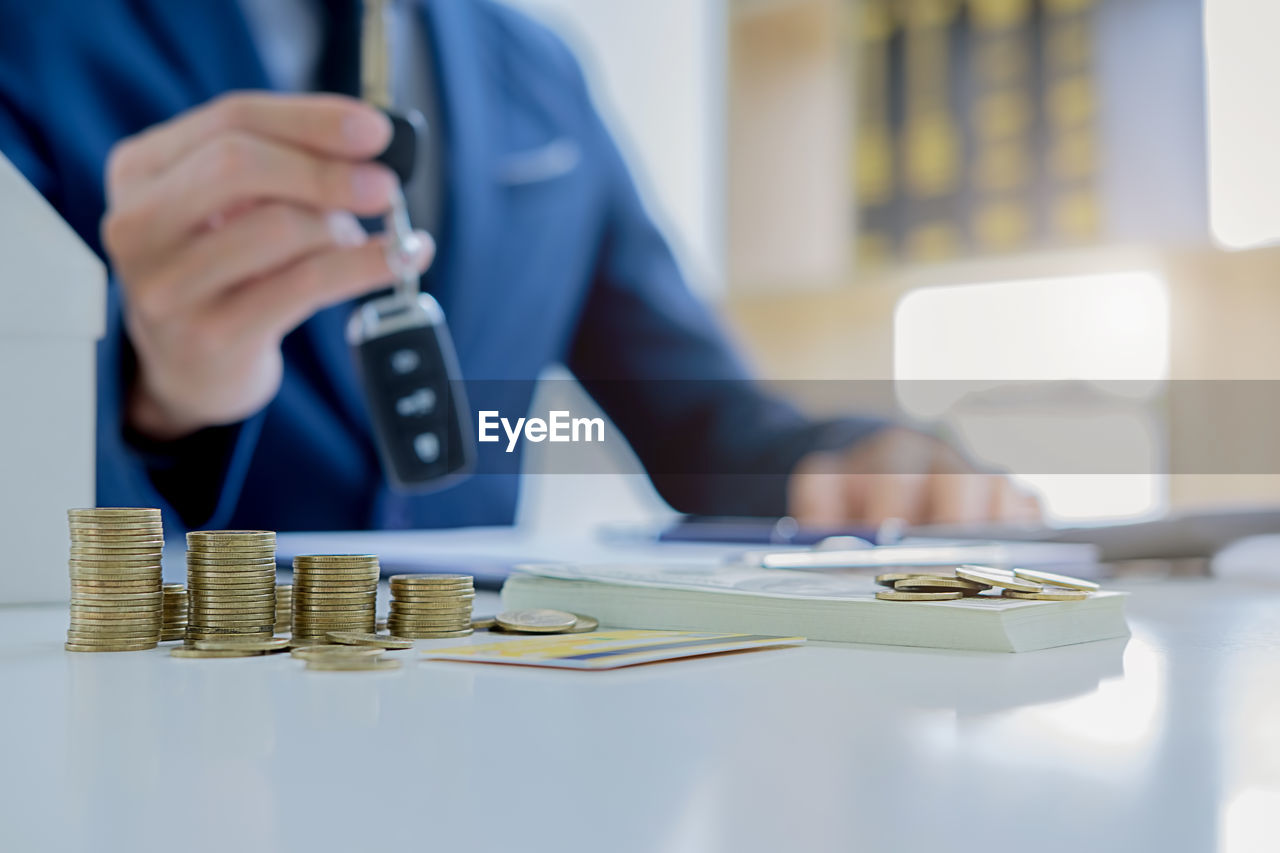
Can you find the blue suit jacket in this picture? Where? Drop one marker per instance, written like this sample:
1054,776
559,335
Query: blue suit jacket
566,269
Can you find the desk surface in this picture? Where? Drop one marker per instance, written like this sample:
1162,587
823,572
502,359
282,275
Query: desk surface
1168,741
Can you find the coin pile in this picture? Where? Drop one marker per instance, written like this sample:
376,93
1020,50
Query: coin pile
284,609
116,599
431,607
333,592
174,621
542,621
985,581
231,580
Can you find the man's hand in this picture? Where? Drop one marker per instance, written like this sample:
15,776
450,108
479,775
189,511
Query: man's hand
903,474
227,227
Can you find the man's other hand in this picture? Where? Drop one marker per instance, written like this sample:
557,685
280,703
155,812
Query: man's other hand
903,474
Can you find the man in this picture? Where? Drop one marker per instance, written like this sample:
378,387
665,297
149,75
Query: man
227,393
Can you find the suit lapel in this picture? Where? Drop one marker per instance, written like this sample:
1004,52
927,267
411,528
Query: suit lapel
208,41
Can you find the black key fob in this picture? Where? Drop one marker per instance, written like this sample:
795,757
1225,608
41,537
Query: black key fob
414,391
401,153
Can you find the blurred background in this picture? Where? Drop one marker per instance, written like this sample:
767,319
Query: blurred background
984,190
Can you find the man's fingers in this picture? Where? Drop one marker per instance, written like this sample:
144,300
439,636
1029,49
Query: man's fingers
235,169
1010,502
904,496
276,305
327,125
251,245
962,498
817,493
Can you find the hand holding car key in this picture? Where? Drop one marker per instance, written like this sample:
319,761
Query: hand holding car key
411,378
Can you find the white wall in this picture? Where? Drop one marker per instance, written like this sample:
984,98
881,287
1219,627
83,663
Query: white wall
657,68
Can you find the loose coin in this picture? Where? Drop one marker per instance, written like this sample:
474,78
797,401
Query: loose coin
890,578
936,583
317,651
1048,593
894,595
484,622
357,638
275,644
996,577
1051,579
585,624
536,621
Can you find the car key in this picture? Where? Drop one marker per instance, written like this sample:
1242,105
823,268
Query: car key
401,343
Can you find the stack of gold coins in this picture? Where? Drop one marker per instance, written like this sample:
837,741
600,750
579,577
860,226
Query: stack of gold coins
174,625
284,609
333,592
431,607
116,600
231,581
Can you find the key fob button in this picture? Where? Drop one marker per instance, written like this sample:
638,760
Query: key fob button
420,403
427,446
405,361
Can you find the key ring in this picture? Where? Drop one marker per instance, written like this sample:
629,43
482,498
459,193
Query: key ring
403,247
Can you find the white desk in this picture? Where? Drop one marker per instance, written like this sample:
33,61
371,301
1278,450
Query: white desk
1169,741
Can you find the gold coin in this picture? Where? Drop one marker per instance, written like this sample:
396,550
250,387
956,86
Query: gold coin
433,635
347,663
935,583
894,595
430,618
113,512
1048,593
109,647
102,553
434,616
88,597
428,580
98,535
483,622
137,635
218,590
1051,579
145,584
433,613
536,620
131,629
122,566
109,594
232,644
359,638
216,630
197,652
996,577
585,624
